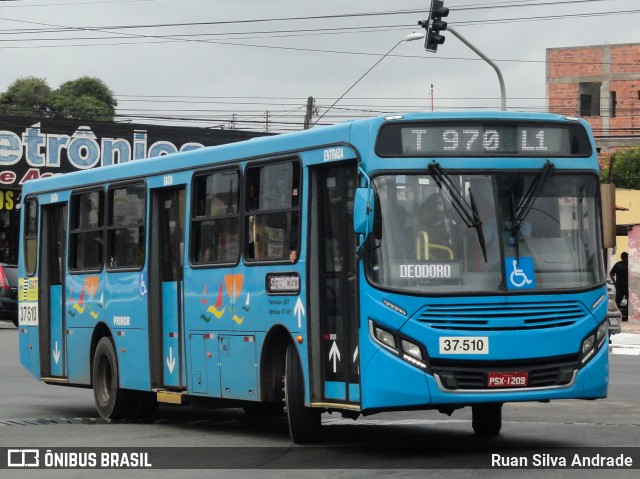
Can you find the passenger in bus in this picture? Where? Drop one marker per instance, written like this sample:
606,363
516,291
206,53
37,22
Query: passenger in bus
293,238
206,256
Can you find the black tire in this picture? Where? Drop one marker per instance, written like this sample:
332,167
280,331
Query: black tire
304,422
15,322
111,401
487,419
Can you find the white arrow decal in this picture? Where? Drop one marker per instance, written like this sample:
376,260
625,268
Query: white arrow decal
56,353
334,354
355,358
299,311
171,361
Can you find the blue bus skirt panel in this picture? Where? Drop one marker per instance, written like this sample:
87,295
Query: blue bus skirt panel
395,384
29,341
79,349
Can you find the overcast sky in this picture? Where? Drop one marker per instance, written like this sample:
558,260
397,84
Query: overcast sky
209,59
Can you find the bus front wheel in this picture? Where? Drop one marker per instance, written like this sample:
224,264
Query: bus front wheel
112,402
486,419
304,422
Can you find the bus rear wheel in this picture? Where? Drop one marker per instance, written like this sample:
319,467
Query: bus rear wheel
304,422
112,402
486,419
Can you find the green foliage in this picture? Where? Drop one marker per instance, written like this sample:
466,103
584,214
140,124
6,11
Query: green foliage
28,96
86,98
626,168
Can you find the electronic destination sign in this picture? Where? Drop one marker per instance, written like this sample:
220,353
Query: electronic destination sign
482,138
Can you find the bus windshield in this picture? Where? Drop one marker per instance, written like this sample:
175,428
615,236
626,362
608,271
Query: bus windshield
538,231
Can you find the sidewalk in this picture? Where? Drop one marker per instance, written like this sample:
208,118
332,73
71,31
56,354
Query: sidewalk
628,341
631,327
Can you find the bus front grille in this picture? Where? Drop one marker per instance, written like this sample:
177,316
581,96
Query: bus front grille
454,375
502,316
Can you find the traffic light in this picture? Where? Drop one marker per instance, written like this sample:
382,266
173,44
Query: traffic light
435,25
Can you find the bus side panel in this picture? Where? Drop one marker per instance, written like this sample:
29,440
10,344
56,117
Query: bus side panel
132,349
125,312
207,315
79,354
29,340
118,301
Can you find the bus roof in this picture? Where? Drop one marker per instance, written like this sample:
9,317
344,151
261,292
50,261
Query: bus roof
288,143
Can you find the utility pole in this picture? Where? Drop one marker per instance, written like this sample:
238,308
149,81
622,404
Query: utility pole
431,96
307,116
266,121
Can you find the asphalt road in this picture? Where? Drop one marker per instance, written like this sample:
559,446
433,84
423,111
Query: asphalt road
36,415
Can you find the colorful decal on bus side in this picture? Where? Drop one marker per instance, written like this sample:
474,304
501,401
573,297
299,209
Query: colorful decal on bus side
233,286
90,288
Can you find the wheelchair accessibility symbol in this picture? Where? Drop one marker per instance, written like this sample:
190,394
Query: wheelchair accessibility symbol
143,284
520,273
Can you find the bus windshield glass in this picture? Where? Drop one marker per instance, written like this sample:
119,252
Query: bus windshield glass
423,241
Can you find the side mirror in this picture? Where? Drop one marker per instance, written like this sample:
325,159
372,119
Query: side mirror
363,211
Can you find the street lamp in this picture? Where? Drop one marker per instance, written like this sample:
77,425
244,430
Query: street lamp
408,38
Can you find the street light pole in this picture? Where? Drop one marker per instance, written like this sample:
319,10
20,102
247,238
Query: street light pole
503,92
408,38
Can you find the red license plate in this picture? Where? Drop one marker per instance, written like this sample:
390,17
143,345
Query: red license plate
507,380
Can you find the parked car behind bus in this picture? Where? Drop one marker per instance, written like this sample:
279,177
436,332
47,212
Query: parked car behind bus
9,292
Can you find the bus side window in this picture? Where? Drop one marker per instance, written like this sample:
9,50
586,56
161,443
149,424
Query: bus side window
126,230
31,236
271,211
87,231
215,218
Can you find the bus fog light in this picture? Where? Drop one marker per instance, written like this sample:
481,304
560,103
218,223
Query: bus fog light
411,349
385,337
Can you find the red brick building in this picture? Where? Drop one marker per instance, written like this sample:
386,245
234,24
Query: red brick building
601,84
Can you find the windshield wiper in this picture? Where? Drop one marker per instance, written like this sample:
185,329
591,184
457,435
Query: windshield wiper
520,213
468,212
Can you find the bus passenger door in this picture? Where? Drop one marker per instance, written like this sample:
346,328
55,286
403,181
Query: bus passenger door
334,282
165,288
53,357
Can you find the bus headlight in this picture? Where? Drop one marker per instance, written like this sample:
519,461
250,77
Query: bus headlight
385,337
593,342
587,348
408,350
411,349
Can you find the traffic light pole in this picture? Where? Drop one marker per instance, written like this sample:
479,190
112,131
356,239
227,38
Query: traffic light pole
503,91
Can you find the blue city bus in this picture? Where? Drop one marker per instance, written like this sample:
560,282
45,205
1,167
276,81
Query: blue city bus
418,261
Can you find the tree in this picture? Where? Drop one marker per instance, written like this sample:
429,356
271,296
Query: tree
625,164
27,96
86,98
